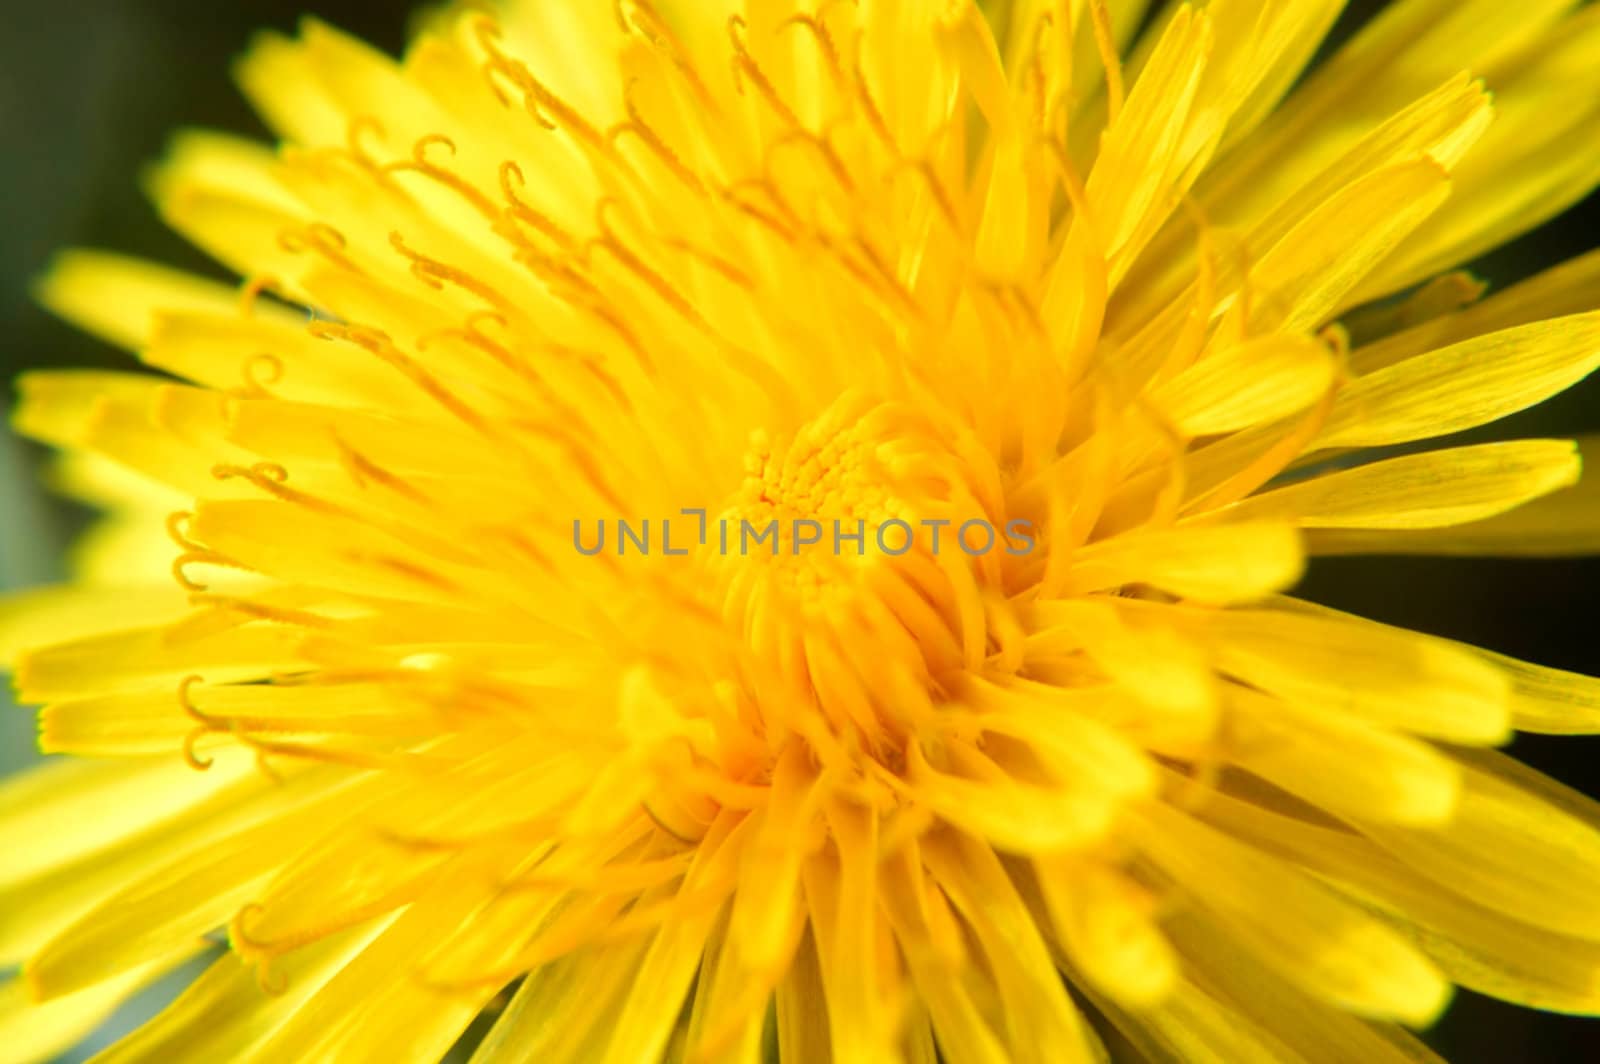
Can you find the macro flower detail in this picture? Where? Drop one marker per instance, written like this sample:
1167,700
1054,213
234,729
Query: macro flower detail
349,689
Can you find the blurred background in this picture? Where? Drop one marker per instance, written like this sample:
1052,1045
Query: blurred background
91,89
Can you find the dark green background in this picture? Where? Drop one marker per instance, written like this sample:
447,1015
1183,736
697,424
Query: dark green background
90,89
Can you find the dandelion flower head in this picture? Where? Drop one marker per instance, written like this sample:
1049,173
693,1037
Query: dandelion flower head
362,671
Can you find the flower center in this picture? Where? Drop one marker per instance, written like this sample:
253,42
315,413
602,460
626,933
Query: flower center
862,564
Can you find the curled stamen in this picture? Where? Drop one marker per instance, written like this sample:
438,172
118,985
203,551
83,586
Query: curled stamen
251,290
246,944
362,469
201,556
434,274
421,164
262,473
647,21
328,755
1105,42
521,211
175,530
183,578
273,479
824,39
785,229
263,766
190,756
716,262
379,344
259,371
471,324
744,65
1041,26
419,150
358,125
210,725
272,982
186,701
320,238
537,98
1038,77
1337,337
830,157
314,235
882,268
924,168
635,264
652,140
874,114
487,32
257,611
206,725
736,27
1077,191
471,335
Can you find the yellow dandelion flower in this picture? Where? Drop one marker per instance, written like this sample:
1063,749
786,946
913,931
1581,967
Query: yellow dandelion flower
738,530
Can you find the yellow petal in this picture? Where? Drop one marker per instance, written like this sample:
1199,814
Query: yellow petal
1015,816
1347,665
1083,751
1466,384
851,936
1256,381
221,160
1421,490
1554,293
39,904
1563,523
116,298
172,905
65,810
62,614
143,657
1140,157
32,1030
1552,701
1234,564
1509,850
1308,274
1157,666
1304,932
1345,767
1531,164
1107,926
1305,1026
1267,195
231,352
225,1011
1480,948
1407,50
583,989
375,1001
802,1017
1041,1020
1192,1024
644,1021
